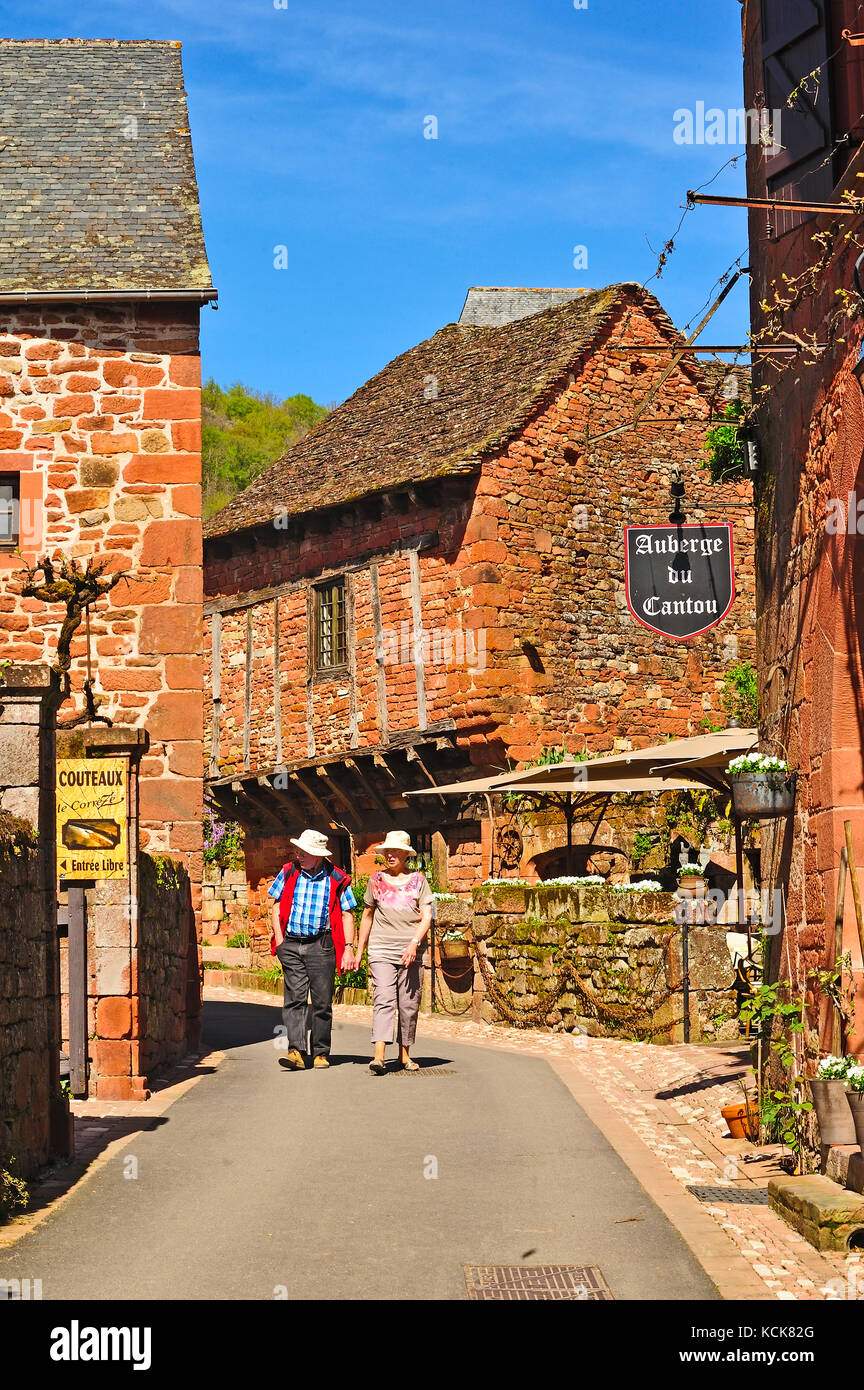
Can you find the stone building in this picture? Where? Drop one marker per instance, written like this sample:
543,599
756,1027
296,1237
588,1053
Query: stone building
432,582
103,274
809,423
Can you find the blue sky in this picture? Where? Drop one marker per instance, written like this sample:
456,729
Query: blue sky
554,131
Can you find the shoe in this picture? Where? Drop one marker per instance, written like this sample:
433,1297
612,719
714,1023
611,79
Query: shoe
292,1061
377,1068
321,1061
409,1066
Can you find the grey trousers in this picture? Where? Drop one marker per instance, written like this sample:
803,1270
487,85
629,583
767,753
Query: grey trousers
397,995
309,969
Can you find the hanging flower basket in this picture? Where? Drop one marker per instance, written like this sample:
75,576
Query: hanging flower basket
762,787
454,947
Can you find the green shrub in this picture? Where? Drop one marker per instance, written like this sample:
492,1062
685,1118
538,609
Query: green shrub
14,1196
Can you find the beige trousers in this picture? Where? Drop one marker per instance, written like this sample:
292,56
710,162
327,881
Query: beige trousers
397,997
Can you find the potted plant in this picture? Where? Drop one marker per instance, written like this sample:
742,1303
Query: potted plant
454,945
762,787
828,1089
743,1119
691,880
855,1101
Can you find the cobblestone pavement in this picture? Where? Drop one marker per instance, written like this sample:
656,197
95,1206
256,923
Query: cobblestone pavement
670,1098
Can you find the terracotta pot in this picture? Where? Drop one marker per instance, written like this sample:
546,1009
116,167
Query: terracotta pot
762,795
836,1125
743,1121
693,884
855,1100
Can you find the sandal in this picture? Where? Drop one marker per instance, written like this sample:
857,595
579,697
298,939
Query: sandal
377,1068
410,1066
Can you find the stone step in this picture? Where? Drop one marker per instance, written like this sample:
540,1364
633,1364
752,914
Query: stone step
823,1213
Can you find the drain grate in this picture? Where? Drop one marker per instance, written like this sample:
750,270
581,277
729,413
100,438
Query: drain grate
580,1283
426,1071
732,1196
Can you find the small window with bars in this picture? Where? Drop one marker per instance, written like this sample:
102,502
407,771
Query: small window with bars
331,632
10,503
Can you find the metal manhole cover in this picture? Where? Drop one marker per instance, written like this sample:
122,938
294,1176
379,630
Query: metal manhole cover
732,1196
582,1283
425,1071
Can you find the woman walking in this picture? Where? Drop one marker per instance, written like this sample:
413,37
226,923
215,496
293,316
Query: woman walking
397,914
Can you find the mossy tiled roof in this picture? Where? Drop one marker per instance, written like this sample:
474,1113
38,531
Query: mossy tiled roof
97,179
437,410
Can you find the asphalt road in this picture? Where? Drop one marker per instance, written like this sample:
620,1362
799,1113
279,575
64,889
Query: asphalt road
261,1183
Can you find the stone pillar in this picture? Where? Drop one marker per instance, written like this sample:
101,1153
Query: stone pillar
112,933
29,697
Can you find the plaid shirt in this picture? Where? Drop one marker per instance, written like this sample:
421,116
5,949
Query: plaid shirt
310,908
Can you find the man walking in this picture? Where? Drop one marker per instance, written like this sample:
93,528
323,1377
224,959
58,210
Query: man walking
313,928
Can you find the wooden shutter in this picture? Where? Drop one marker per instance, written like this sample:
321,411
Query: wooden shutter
847,80
795,43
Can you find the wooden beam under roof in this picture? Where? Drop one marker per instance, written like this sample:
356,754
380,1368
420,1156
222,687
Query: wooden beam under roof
356,823
316,801
369,786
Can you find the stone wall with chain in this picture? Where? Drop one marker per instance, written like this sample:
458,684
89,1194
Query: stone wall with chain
601,960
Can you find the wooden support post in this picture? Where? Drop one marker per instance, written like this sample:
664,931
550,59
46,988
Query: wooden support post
78,1062
216,685
685,973
247,703
739,877
277,685
417,636
380,671
350,625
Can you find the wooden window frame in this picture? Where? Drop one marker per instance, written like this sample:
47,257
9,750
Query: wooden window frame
12,477
29,467
320,667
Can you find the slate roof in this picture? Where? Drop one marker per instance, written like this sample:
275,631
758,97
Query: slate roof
97,179
390,433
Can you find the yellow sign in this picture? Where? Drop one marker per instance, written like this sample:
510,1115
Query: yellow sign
92,817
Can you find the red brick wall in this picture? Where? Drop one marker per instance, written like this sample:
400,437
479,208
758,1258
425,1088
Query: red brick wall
100,414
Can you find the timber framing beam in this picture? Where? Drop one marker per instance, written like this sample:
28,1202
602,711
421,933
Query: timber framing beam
371,790
316,801
353,818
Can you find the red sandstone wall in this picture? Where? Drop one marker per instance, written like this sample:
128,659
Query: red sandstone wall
100,412
810,581
510,567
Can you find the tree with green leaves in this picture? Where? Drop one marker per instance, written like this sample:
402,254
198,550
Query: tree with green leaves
243,432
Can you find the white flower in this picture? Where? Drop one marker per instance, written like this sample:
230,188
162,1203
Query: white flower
757,762
835,1068
646,885
581,879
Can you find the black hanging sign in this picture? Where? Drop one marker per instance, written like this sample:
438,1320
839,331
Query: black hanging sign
680,579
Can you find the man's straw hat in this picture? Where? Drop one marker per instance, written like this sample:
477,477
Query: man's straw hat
313,842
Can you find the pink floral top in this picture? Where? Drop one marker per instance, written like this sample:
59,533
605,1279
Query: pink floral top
398,914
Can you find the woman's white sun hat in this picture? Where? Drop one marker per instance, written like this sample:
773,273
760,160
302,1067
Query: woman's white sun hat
397,839
313,842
